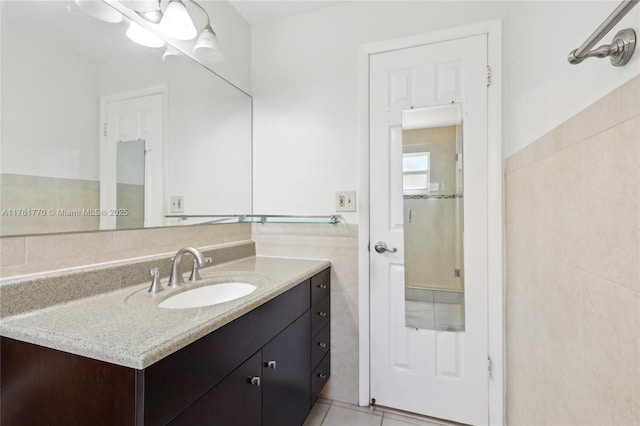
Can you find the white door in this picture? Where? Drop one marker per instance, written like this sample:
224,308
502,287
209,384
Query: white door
128,119
436,373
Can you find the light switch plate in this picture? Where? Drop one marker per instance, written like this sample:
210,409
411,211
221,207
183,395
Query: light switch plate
346,201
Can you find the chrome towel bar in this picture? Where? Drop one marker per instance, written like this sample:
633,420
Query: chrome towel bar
622,47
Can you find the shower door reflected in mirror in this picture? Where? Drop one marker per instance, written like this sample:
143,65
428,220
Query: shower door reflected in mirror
433,217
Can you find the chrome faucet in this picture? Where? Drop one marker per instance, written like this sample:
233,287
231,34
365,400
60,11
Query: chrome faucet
176,279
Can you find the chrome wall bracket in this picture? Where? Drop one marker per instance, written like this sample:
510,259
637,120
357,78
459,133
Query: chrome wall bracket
619,51
625,42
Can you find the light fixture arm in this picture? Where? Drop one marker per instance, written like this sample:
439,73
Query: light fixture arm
208,26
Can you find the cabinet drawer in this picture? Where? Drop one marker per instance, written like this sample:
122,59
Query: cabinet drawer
320,285
320,345
319,377
320,314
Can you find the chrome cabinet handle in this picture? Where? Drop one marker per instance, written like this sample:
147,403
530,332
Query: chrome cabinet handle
322,376
381,247
323,286
322,344
322,314
254,381
270,364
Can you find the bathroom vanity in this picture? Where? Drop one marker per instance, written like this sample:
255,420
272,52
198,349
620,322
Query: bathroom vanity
259,360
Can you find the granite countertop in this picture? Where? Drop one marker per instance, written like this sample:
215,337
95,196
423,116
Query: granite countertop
126,327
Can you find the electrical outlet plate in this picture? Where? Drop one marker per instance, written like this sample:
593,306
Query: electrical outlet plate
176,204
346,201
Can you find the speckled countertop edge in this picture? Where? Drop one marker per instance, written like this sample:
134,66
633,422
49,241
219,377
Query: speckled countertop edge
110,328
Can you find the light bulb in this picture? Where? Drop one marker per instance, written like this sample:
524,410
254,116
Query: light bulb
143,36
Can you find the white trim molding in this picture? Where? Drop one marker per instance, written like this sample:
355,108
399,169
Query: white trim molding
495,246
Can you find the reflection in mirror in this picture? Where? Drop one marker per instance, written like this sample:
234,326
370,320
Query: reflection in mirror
433,217
130,180
73,88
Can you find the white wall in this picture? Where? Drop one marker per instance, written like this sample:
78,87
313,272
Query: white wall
44,87
234,36
542,89
304,83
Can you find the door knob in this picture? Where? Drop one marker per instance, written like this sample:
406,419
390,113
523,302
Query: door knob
381,247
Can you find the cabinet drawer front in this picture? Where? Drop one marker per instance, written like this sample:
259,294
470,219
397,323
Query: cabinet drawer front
320,345
320,285
320,315
199,366
320,376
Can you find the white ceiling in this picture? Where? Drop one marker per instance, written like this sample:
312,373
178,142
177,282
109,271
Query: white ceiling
259,11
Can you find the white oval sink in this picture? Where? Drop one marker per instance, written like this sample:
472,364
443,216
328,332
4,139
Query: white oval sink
208,295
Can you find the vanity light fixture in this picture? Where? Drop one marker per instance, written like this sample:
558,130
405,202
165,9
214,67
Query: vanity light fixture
207,48
142,36
176,22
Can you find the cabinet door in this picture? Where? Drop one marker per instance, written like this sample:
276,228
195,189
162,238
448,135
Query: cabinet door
234,401
287,384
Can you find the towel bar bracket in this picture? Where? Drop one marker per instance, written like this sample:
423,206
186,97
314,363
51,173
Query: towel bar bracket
619,51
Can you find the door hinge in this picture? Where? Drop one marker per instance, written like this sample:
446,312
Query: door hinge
488,367
488,76
104,129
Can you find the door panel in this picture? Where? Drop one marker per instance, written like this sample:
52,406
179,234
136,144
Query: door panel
437,373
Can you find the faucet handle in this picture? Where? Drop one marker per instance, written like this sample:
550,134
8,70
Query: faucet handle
156,286
195,275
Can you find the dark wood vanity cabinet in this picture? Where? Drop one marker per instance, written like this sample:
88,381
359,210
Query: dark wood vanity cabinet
265,368
320,331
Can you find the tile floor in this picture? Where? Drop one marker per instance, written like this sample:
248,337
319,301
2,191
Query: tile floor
434,309
326,412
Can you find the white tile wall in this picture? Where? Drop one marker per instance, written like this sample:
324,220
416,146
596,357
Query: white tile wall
573,280
339,244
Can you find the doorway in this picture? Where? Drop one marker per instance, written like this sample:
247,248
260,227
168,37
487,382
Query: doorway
454,374
132,158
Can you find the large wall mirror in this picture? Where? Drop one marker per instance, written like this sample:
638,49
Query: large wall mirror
432,172
101,133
